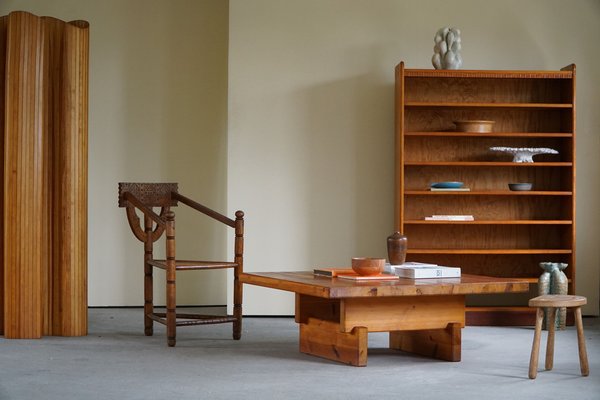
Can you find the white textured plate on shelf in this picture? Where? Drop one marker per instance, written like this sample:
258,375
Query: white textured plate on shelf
524,154
447,185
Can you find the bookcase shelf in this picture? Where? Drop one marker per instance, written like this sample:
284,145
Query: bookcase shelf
486,193
491,222
493,134
488,164
489,251
513,231
486,105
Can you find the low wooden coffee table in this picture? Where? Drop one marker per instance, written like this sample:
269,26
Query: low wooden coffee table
423,316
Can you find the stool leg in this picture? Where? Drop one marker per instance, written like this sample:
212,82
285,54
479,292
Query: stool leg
535,349
550,343
583,360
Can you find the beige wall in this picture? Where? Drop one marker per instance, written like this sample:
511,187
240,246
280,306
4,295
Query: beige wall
310,120
157,112
311,117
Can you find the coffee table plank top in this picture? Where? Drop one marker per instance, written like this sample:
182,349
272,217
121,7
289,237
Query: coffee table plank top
305,282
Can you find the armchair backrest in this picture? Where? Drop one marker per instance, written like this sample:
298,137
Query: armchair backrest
150,194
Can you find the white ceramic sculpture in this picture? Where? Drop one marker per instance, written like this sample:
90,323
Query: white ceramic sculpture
524,154
446,51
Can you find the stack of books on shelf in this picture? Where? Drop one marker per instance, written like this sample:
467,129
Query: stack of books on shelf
450,218
460,189
417,270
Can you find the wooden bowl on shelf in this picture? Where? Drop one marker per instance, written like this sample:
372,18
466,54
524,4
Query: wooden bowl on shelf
477,126
368,266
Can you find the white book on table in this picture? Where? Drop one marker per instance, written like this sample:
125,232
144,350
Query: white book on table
417,270
389,268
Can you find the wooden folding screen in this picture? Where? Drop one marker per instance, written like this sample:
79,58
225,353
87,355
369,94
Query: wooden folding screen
43,151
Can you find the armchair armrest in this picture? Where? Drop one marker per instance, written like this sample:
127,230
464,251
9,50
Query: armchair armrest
203,209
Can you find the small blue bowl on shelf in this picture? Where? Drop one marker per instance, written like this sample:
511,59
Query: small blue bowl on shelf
447,185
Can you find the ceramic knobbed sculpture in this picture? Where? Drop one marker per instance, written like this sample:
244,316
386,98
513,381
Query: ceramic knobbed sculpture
554,281
446,51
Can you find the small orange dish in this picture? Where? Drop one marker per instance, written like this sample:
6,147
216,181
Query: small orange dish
368,266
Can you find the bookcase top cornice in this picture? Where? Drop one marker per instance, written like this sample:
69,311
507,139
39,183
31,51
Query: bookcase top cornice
433,73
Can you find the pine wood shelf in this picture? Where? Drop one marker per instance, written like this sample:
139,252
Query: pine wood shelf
487,193
513,231
486,105
489,251
528,280
487,164
490,222
493,134
497,74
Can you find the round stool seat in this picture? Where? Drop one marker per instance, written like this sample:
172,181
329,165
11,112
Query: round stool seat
557,300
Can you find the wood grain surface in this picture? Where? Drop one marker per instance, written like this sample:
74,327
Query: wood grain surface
512,231
307,283
45,175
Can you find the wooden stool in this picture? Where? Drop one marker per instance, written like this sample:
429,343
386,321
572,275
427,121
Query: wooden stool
552,302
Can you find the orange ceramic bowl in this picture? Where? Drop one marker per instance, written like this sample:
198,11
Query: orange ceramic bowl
368,266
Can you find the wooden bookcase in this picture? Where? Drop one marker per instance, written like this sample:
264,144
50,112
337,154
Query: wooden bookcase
513,231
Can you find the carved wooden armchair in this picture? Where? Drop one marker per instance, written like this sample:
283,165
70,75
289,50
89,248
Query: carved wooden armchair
145,196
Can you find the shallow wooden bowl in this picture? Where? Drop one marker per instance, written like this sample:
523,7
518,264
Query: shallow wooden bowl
368,266
474,126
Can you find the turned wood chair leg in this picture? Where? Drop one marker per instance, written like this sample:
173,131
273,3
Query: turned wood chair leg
171,291
148,300
237,307
535,349
550,342
583,360
148,289
238,251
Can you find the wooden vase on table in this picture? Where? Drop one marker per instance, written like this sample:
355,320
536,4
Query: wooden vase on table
397,244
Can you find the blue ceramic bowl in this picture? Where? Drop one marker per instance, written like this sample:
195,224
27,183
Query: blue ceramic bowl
447,185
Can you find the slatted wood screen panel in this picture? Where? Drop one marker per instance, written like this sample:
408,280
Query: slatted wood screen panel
44,198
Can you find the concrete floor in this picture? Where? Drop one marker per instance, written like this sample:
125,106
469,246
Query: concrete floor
116,361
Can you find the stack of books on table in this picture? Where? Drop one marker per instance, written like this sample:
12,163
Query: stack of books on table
332,272
348,273
450,218
416,270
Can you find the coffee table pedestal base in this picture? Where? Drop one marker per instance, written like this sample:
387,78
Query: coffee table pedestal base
337,329
443,344
324,339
